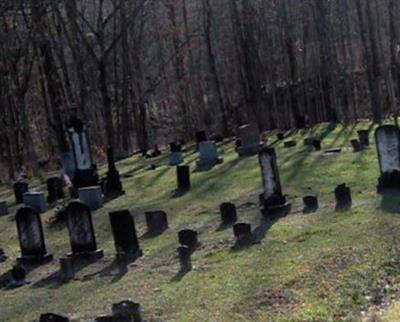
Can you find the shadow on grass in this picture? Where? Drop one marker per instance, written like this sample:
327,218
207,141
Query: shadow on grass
113,269
152,234
179,276
179,193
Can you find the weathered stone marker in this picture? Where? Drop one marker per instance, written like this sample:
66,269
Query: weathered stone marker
275,203
175,155
208,154
388,145
242,232
317,145
188,237
124,232
185,260
183,177
31,238
356,145
343,197
51,317
67,269
289,144
3,208
113,181
91,196
81,232
19,189
55,190
310,203
18,275
228,213
156,221
127,309
36,200
363,137
249,136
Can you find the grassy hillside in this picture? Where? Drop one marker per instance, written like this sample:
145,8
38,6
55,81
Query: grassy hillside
324,266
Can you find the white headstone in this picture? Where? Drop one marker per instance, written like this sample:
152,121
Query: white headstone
388,144
83,157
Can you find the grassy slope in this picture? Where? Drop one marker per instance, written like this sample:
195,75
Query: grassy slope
325,266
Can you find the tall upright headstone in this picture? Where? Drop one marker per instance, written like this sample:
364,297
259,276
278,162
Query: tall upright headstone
388,145
31,238
85,170
183,177
55,189
363,137
124,232
249,136
274,202
81,232
113,183
20,188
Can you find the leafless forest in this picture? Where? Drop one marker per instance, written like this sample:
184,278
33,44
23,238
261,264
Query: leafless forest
141,72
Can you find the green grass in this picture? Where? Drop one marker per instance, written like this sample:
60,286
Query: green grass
325,266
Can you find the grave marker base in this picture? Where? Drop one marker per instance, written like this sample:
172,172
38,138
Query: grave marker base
276,207
35,260
389,181
97,254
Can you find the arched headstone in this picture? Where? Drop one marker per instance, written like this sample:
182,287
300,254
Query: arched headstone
20,188
31,238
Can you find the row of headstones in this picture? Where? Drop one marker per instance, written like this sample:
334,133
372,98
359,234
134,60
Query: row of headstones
125,311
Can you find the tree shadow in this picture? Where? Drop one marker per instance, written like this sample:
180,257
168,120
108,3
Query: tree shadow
179,276
224,226
52,281
113,269
153,233
262,229
178,193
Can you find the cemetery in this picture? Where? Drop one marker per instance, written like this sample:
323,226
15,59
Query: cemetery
273,234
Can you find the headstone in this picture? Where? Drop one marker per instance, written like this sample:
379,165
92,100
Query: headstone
317,145
67,269
36,200
363,137
128,309
201,136
185,260
208,154
124,232
91,196
3,208
309,141
183,177
388,145
113,181
20,188
31,238
289,144
249,136
310,203
51,317
81,232
280,136
55,189
188,237
18,275
242,232
3,256
274,201
356,145
175,155
156,221
343,197
228,213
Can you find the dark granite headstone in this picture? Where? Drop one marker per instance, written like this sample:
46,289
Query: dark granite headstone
124,232
127,309
31,238
188,237
183,177
363,137
55,189
3,256
228,213
113,181
343,197
310,203
185,260
317,145
19,189
242,232
280,136
201,136
51,317
356,145
81,232
156,221
275,203
67,269
3,208
175,147
18,275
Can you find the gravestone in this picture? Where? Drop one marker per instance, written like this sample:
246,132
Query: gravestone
280,136
18,276
343,197
55,189
201,136
127,309
124,232
81,232
356,145
156,221
91,196
175,155
363,137
183,177
67,269
20,188
185,260
3,256
249,136
36,200
274,201
31,238
51,317
3,208
188,237
208,154
242,232
310,203
388,145
228,213
289,144
317,145
85,171
113,181
309,141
